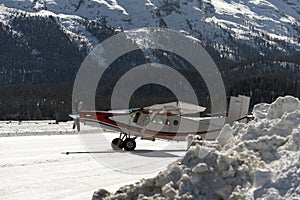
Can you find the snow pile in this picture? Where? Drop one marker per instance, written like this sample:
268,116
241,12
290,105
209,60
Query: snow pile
257,160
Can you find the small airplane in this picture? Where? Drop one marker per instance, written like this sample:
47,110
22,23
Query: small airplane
167,121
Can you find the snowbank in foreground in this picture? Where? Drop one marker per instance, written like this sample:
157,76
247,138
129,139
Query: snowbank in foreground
257,160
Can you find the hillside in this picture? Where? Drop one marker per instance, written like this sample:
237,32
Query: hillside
255,44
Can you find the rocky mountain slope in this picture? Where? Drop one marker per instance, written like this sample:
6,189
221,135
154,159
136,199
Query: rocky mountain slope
261,24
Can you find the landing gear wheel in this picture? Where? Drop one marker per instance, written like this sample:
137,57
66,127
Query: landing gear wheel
129,144
117,144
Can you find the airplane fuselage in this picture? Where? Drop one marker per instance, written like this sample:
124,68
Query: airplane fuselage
150,125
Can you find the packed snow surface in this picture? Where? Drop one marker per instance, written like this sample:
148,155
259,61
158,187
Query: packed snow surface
45,127
255,160
54,163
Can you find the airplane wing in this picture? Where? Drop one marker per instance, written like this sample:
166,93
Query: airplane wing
125,111
173,108
176,108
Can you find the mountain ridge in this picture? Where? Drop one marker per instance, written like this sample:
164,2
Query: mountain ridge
255,45
275,23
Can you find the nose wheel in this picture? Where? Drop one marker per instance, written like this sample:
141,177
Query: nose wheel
124,141
116,144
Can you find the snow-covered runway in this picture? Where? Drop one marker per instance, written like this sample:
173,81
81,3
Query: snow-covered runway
37,167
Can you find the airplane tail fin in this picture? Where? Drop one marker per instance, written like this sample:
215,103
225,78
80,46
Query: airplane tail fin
238,108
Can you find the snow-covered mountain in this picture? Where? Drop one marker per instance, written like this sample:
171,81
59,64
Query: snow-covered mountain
254,43
261,24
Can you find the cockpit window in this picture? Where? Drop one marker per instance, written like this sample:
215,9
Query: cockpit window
158,120
167,122
136,117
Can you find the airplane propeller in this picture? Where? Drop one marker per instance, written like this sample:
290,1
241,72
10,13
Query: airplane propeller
76,124
76,115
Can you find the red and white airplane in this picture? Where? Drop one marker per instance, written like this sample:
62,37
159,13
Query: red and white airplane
162,121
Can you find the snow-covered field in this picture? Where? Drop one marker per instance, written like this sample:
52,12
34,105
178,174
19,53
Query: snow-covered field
37,167
45,127
257,160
